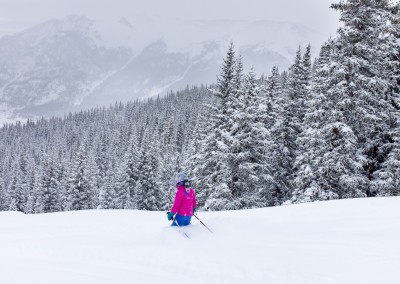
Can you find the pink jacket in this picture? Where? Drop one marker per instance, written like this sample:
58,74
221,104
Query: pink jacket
184,202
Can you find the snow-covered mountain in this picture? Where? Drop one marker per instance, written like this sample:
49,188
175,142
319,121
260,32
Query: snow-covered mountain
336,242
76,63
51,67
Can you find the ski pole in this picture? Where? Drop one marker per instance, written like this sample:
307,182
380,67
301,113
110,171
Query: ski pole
202,223
179,227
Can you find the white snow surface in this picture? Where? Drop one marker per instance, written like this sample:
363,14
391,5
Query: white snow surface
347,241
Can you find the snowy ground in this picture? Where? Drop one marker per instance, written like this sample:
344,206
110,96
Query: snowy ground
347,241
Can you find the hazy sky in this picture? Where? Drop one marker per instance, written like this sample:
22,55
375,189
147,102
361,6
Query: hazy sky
316,14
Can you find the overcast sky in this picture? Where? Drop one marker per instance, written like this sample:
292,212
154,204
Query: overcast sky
18,14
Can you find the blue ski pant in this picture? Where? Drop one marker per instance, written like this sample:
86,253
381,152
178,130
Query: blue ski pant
182,220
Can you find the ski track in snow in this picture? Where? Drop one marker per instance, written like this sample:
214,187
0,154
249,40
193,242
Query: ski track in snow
346,241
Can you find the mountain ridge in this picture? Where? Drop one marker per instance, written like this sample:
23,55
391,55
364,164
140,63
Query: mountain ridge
78,63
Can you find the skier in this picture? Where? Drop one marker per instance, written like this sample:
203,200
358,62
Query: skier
185,202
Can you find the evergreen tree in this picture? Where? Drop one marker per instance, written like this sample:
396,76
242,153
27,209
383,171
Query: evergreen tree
107,194
383,151
248,151
192,158
12,194
16,195
148,193
310,185
362,49
48,186
290,125
295,93
215,171
306,71
280,151
30,204
79,187
3,204
350,115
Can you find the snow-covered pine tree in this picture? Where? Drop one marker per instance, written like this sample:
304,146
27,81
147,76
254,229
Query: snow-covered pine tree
214,168
385,159
364,44
107,194
296,92
172,133
93,175
102,152
238,76
24,181
284,79
289,124
12,195
280,150
250,139
148,193
122,199
235,149
104,134
132,162
48,186
15,194
307,71
38,204
350,112
3,205
62,181
30,203
311,121
118,169
309,182
79,186
192,156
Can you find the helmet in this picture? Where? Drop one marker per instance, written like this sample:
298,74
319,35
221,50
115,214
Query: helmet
181,178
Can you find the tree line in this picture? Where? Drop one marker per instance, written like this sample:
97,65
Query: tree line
324,129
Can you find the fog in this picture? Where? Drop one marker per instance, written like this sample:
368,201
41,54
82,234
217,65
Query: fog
16,15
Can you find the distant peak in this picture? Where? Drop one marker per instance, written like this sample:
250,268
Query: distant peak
160,45
76,18
72,22
77,22
126,23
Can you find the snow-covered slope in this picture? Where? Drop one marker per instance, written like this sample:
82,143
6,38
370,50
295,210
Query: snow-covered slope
347,241
76,63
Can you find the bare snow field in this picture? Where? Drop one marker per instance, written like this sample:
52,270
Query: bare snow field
347,241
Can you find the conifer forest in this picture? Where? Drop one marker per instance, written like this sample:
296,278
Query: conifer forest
326,128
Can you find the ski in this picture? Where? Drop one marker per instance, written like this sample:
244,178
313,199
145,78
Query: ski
180,230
